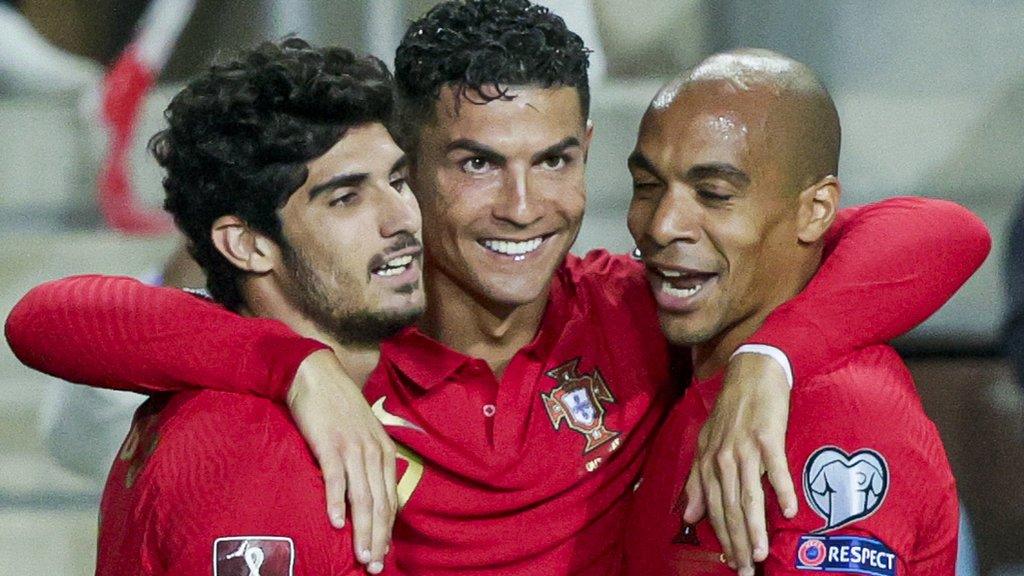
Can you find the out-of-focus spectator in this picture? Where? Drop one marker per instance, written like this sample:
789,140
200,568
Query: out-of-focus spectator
30,64
1013,334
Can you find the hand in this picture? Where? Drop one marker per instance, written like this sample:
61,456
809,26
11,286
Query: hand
354,452
744,436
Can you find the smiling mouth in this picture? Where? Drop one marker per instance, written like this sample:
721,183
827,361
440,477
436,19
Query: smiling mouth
679,284
394,267
517,250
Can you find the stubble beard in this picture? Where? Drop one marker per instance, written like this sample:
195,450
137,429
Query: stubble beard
323,307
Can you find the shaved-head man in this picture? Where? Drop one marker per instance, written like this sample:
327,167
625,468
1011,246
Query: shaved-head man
734,189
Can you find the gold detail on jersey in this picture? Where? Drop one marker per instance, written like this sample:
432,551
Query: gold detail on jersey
142,435
577,400
413,473
388,419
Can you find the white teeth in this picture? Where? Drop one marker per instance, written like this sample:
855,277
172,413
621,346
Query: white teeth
400,261
513,248
394,267
670,273
680,292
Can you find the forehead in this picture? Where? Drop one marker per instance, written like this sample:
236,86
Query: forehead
702,124
363,148
531,115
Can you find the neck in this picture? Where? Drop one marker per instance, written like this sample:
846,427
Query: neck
265,300
712,357
464,322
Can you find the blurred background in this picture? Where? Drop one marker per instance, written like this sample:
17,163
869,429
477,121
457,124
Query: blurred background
931,95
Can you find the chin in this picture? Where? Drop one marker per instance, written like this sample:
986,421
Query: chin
686,331
514,295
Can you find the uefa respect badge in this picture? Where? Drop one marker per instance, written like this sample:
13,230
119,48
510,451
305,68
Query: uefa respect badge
845,554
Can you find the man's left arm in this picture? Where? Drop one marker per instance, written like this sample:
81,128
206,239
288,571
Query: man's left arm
887,267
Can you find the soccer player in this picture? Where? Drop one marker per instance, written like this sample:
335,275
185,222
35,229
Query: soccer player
536,378
735,190
284,177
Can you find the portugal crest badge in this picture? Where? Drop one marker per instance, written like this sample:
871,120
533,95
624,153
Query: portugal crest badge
577,400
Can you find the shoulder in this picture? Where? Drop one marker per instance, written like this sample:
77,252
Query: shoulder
867,413
228,467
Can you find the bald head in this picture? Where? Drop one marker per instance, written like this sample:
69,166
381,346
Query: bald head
786,105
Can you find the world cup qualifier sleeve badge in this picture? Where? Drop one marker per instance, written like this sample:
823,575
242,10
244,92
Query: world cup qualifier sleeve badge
578,401
844,488
253,556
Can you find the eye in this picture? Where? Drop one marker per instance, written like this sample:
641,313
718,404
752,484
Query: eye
400,184
343,199
554,162
476,165
713,195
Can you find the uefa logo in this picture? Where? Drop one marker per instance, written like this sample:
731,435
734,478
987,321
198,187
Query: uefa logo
811,553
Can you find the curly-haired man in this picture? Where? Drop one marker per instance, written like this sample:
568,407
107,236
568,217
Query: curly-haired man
283,175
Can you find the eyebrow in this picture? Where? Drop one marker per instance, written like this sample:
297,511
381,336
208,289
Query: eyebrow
637,161
492,155
723,170
477,148
347,180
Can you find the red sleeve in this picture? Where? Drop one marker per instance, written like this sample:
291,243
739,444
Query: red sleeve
882,488
231,473
887,267
115,332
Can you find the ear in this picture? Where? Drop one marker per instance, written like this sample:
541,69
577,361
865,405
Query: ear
588,135
244,247
818,206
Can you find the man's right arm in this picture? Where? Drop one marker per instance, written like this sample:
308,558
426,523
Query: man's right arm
116,332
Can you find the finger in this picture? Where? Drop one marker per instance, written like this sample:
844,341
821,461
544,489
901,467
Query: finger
334,484
728,475
778,474
752,499
391,482
695,507
713,500
381,508
360,505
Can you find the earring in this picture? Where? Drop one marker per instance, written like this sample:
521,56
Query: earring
636,254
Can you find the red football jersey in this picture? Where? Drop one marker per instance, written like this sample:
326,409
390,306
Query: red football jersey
878,497
218,483
528,475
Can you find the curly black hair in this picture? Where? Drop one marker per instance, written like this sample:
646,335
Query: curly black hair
473,44
240,135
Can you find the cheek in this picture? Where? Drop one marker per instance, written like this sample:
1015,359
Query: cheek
638,218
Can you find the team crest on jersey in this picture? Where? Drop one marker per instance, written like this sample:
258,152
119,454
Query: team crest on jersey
844,488
578,401
253,556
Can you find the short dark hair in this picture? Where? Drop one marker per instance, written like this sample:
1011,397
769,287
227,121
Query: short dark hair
474,44
240,134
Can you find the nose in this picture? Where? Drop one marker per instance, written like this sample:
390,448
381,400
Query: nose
517,202
677,218
398,212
